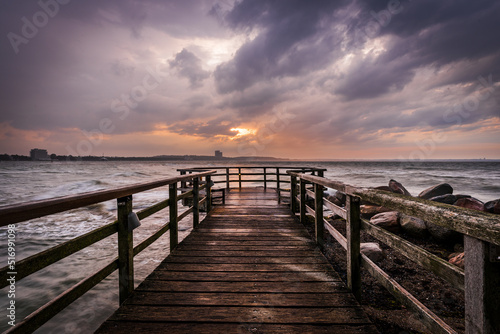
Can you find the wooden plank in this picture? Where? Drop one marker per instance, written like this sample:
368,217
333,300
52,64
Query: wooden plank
319,315
262,211
250,226
336,234
335,209
245,276
244,259
243,299
114,327
250,236
250,230
188,247
303,267
259,242
257,286
273,253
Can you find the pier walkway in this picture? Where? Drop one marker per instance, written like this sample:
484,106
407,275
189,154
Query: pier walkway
249,267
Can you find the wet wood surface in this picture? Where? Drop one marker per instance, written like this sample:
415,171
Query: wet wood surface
249,267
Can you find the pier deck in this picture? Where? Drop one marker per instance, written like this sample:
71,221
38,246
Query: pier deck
248,267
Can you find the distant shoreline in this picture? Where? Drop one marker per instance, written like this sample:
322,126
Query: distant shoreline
187,158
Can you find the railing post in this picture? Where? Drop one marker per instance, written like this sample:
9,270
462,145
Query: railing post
265,178
227,179
353,246
239,176
196,200
209,193
302,200
293,194
183,183
125,249
321,173
318,210
482,288
172,195
278,179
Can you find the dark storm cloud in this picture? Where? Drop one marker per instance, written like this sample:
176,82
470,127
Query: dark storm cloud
292,41
188,65
428,33
209,129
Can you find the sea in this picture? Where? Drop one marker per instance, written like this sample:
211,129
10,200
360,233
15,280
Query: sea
30,181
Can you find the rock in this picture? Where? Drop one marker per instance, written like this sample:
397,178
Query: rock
459,196
334,200
413,226
438,190
383,188
372,250
368,211
447,199
442,234
458,260
470,203
458,248
491,205
398,188
387,220
341,197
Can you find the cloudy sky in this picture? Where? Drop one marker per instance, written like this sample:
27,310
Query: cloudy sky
296,79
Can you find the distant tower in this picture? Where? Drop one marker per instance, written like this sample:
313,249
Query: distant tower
218,154
37,154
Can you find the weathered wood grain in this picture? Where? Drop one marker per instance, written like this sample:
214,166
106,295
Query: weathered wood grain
233,327
245,276
243,299
317,315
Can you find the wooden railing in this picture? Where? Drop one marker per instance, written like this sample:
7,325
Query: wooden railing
126,251
480,281
271,175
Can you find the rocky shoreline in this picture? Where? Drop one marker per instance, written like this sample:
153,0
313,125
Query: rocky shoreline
444,300
398,223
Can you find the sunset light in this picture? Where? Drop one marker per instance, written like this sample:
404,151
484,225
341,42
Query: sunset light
243,132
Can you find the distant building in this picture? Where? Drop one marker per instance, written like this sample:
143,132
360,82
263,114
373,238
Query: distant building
38,154
218,154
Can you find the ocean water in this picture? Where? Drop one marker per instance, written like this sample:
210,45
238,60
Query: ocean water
28,181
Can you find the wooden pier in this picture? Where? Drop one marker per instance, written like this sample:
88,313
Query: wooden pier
249,267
